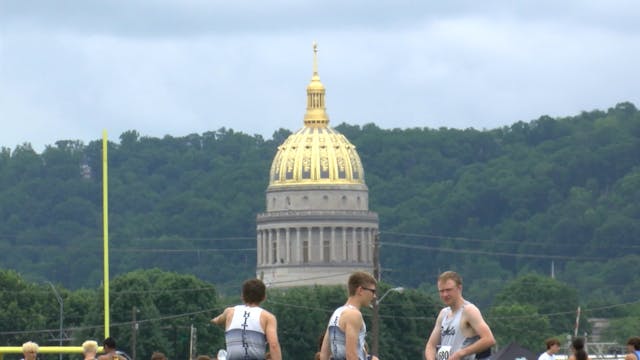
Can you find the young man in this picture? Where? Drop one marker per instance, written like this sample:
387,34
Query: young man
109,348
89,349
633,349
460,332
30,350
248,327
553,345
344,338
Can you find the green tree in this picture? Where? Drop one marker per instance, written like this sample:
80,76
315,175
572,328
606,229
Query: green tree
546,296
519,323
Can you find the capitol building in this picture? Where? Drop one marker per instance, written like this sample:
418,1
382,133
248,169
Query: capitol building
317,228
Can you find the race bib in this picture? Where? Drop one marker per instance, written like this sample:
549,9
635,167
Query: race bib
443,352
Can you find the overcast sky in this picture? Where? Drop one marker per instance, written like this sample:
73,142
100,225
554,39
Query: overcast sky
70,69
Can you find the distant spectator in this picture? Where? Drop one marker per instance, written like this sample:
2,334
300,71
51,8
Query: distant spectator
157,355
633,349
109,349
89,349
30,350
553,345
578,351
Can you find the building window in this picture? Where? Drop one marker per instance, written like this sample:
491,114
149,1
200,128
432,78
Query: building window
326,250
305,251
274,252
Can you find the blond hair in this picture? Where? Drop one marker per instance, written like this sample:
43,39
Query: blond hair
450,275
30,346
89,346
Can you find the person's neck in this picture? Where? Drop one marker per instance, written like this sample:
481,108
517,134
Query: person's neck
351,301
457,305
252,304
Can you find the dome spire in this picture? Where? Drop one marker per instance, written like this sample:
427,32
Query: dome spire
315,60
316,115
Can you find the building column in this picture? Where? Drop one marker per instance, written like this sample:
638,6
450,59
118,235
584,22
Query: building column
344,244
321,244
269,247
287,241
298,247
279,246
333,245
259,247
369,245
354,245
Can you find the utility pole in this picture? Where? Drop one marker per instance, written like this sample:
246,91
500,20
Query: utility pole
193,340
61,303
375,321
134,332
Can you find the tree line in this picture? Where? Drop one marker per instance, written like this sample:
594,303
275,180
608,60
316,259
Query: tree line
154,310
552,195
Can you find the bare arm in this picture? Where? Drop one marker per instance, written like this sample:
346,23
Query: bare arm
271,332
352,326
325,354
434,340
480,327
222,318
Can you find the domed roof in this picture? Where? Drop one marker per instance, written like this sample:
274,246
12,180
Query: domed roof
316,154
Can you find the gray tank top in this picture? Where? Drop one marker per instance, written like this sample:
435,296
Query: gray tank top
451,337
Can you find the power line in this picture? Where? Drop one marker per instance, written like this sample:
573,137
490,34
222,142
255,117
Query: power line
492,253
271,283
156,250
489,241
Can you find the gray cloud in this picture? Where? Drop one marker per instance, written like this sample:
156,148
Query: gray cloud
70,69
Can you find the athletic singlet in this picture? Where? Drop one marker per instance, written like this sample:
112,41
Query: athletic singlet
245,338
451,337
637,352
337,337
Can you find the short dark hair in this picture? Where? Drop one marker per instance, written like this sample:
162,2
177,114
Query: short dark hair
360,278
109,342
550,342
578,345
253,291
635,342
157,355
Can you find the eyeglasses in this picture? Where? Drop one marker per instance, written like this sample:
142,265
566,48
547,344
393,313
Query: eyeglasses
373,291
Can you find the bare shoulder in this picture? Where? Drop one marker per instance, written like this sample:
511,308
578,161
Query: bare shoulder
474,323
353,316
228,312
471,312
443,312
267,315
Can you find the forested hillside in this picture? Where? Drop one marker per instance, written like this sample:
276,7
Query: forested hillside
561,194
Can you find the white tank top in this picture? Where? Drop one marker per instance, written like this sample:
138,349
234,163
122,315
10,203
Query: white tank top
337,337
245,338
451,337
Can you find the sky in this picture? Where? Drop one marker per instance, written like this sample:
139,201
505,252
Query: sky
70,70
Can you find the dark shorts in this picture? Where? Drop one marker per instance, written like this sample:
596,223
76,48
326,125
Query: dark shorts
484,355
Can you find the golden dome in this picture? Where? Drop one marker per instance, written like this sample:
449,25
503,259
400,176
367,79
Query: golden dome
316,154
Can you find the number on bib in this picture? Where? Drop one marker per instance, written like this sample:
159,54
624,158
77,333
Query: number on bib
443,352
